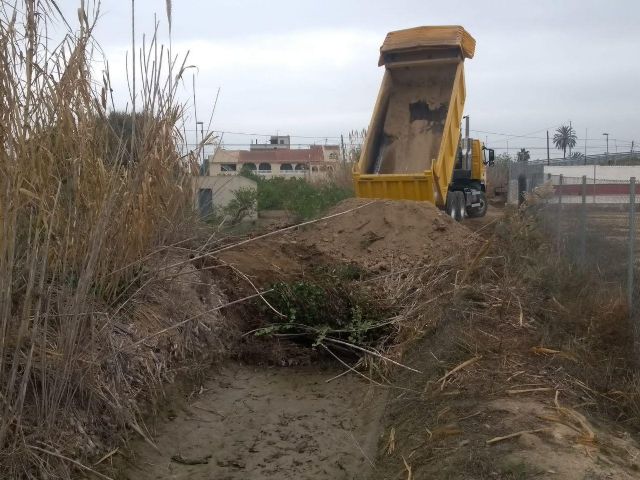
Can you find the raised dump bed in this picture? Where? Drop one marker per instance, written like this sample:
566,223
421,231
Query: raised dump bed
412,142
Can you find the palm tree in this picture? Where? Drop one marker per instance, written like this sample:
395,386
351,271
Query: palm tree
565,137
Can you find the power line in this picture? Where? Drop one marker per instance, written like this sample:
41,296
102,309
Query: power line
265,134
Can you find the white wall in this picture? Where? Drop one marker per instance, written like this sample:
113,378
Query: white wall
222,188
602,172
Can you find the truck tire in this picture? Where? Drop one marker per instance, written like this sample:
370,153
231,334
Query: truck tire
480,211
462,206
451,205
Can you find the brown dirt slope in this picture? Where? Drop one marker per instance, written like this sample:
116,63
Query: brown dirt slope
378,235
383,233
509,386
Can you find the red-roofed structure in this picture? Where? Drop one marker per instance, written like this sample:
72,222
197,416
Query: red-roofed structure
280,161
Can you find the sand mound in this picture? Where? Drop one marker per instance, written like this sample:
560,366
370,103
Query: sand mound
387,232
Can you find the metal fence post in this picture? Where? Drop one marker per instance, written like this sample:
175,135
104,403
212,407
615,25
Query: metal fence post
583,223
559,214
631,260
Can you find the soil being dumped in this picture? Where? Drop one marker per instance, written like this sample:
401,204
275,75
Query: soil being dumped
416,114
380,234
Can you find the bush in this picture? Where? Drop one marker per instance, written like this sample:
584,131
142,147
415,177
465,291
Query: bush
297,195
326,308
242,205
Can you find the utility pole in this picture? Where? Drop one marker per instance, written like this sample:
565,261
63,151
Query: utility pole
632,142
202,146
585,145
607,135
548,158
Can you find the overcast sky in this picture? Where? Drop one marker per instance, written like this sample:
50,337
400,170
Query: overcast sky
309,68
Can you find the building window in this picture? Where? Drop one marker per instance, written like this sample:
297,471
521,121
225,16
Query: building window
286,167
264,167
333,156
301,167
250,166
228,167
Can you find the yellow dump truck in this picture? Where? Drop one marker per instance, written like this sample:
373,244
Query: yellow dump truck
413,149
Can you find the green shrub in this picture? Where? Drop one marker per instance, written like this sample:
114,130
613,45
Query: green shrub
304,199
325,308
242,205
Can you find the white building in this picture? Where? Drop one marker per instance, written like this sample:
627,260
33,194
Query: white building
277,158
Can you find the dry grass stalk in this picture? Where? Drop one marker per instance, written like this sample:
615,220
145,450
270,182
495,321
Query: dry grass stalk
464,364
514,435
80,205
528,390
391,443
408,467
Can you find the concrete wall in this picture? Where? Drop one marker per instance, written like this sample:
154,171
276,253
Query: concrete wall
602,172
222,188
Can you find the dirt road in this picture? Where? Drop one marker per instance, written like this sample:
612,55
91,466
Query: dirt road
267,423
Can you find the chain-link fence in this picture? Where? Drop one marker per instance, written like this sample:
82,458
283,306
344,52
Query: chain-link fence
593,223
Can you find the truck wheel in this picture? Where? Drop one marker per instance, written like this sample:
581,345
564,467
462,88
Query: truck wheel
462,206
480,211
451,206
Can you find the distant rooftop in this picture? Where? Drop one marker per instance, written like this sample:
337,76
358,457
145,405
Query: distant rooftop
276,142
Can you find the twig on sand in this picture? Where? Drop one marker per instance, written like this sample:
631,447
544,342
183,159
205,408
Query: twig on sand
350,369
459,367
408,467
370,352
75,462
516,434
529,390
361,450
106,456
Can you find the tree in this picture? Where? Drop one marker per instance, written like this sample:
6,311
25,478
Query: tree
503,160
565,137
523,155
243,204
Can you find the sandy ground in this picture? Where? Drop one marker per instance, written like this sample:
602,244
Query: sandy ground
267,423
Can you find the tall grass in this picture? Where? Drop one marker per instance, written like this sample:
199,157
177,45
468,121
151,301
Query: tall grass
76,219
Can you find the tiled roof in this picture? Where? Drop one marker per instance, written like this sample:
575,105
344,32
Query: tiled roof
313,154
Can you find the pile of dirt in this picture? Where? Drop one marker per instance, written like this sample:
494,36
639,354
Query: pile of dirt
381,234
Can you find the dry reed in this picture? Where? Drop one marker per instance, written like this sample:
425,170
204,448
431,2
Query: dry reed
82,210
